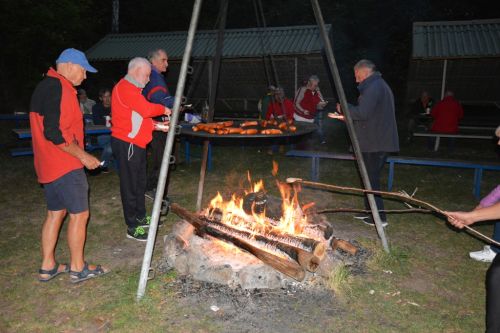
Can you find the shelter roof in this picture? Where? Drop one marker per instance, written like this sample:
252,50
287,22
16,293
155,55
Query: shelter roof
238,43
456,39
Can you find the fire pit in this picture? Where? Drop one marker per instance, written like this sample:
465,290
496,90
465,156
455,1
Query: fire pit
253,240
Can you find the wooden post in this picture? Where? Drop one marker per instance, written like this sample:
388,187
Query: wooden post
443,81
212,97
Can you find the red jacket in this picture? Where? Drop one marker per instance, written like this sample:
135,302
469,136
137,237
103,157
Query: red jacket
132,113
55,120
446,114
275,108
306,102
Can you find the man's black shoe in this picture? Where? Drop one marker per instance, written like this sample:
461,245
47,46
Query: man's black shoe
137,233
145,222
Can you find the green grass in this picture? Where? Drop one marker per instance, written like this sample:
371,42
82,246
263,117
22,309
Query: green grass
426,283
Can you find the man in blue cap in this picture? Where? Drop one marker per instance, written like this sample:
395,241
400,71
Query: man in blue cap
59,156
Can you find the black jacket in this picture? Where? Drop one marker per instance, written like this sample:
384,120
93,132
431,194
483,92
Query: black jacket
374,116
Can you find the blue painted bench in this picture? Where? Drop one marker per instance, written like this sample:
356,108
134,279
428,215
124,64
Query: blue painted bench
478,168
393,160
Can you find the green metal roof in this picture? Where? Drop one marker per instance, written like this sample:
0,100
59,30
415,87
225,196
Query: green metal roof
456,39
238,43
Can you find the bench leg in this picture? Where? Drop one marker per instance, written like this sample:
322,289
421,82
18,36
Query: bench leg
391,176
315,169
436,143
478,175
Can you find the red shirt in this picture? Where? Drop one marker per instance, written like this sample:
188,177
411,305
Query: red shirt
275,109
132,113
55,120
446,114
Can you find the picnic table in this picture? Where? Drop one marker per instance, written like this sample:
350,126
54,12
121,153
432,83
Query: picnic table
25,133
16,117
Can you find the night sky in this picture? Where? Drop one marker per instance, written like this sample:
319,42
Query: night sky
34,32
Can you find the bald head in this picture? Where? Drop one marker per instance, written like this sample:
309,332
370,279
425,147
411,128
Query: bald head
139,69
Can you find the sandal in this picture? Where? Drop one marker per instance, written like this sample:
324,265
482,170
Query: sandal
52,273
86,273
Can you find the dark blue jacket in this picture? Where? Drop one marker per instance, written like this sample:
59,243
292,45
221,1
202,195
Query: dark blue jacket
374,117
156,91
98,114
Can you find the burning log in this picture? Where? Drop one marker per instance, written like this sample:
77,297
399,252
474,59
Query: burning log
318,249
285,266
308,254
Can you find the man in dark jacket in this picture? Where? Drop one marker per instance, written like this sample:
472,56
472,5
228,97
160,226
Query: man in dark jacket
375,126
156,91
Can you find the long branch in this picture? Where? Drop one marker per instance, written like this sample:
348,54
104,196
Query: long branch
395,195
367,211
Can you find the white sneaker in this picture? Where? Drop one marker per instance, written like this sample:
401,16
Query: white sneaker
485,255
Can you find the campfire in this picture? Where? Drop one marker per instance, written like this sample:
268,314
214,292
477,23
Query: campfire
276,230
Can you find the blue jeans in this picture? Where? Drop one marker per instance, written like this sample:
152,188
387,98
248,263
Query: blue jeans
104,141
318,120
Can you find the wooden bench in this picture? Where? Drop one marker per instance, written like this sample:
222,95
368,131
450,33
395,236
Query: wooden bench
478,167
438,137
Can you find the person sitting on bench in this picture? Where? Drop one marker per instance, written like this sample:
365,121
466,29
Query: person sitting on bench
446,114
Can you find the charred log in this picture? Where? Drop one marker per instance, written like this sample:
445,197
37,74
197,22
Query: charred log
288,267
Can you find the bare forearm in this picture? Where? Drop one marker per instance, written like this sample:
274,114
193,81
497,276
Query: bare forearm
487,213
89,161
73,149
461,219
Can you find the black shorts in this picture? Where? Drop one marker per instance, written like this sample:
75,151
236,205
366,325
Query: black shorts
70,192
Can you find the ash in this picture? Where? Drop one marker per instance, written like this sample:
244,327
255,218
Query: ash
289,309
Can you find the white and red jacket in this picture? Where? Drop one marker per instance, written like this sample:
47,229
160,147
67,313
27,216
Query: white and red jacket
132,113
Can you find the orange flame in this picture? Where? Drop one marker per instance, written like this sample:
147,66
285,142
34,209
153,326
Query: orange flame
232,213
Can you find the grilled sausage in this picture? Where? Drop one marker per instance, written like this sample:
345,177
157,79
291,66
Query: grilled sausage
250,131
249,123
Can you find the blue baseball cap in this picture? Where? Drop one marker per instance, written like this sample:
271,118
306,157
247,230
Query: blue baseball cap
76,57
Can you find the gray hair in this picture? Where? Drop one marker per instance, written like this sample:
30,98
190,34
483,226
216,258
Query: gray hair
153,54
313,78
138,62
365,63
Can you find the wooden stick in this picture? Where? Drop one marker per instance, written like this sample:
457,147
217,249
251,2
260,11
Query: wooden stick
356,210
395,195
344,245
